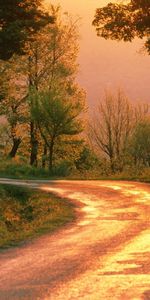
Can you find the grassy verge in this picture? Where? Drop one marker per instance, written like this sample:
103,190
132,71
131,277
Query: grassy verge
25,214
17,170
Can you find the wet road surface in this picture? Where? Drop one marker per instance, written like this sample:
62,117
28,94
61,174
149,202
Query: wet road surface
104,254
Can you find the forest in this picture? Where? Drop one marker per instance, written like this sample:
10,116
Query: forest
46,127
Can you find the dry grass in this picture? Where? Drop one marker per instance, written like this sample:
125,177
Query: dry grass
25,214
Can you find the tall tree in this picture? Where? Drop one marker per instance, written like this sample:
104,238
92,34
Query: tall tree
50,61
56,116
111,128
19,21
124,21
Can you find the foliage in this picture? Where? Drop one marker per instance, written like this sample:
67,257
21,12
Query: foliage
87,160
69,147
19,21
124,21
49,62
4,138
140,144
52,55
55,116
62,169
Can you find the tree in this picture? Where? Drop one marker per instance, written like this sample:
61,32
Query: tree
56,116
19,21
124,21
111,127
50,61
140,143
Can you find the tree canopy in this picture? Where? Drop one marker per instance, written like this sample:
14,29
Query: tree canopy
124,21
19,20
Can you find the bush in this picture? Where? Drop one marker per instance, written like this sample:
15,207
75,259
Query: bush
63,169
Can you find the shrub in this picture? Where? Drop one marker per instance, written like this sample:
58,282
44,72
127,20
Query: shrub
63,169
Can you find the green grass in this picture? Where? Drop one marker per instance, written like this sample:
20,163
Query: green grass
19,170
25,214
12,169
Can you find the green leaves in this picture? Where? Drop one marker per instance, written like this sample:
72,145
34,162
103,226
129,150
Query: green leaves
140,143
54,114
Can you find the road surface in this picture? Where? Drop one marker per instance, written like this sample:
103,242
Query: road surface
104,254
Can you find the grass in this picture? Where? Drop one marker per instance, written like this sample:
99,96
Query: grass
13,169
25,214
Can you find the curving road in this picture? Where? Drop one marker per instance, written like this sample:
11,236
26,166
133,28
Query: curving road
104,254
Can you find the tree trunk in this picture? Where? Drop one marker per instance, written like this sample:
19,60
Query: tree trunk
112,164
34,144
16,143
51,155
44,157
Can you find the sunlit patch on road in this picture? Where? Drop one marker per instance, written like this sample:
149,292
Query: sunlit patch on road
141,196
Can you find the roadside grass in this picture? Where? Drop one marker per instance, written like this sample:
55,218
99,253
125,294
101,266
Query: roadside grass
19,170
10,168
26,213
143,177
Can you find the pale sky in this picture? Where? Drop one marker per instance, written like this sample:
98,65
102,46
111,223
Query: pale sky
107,64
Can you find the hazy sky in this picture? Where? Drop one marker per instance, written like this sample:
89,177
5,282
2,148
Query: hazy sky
107,64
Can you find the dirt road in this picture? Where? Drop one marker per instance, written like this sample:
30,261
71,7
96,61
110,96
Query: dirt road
104,254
